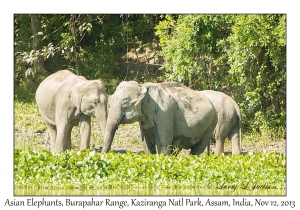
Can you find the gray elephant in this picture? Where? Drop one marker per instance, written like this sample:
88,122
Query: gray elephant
169,115
65,100
229,121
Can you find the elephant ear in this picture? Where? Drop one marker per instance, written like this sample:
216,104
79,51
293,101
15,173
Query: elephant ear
137,102
75,96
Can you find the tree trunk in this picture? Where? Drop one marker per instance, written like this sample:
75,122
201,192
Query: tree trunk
38,64
275,104
73,32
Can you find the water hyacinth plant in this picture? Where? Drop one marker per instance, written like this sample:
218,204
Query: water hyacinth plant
93,170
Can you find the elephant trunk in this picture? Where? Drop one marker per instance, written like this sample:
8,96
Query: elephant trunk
101,116
112,124
103,124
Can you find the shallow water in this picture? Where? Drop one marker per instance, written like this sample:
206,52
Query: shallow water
149,192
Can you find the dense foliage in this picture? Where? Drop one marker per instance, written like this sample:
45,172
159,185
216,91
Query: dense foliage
94,46
241,55
92,170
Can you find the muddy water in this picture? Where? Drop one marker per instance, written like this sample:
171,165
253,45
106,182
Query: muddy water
148,192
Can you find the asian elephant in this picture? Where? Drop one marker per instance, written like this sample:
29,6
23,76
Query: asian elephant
168,115
229,121
65,100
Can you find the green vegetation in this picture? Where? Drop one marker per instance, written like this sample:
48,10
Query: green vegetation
35,167
92,170
241,55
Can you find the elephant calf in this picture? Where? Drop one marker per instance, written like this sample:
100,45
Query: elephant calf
65,100
168,114
229,121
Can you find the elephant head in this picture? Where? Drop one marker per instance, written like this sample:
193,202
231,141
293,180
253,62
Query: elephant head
125,108
90,98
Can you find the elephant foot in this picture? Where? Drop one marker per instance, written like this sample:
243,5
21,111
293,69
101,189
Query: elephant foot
219,148
236,152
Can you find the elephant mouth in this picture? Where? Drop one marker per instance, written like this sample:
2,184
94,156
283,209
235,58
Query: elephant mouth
130,117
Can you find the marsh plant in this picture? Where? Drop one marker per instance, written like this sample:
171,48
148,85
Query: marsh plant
86,169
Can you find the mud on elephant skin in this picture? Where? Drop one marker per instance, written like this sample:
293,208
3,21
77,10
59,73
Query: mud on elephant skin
229,121
66,100
168,114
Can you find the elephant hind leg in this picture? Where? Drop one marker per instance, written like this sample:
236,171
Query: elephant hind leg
205,141
202,144
234,136
220,141
52,135
198,148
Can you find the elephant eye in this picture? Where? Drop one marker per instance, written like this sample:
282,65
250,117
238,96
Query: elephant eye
125,104
96,101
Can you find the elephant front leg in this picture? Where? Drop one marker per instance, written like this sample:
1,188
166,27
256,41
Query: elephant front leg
85,132
68,141
63,132
147,142
164,137
148,146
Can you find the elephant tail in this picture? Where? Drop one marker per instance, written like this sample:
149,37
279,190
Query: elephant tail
240,134
240,125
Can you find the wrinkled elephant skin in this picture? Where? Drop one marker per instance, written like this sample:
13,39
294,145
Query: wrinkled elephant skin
66,100
229,121
169,115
